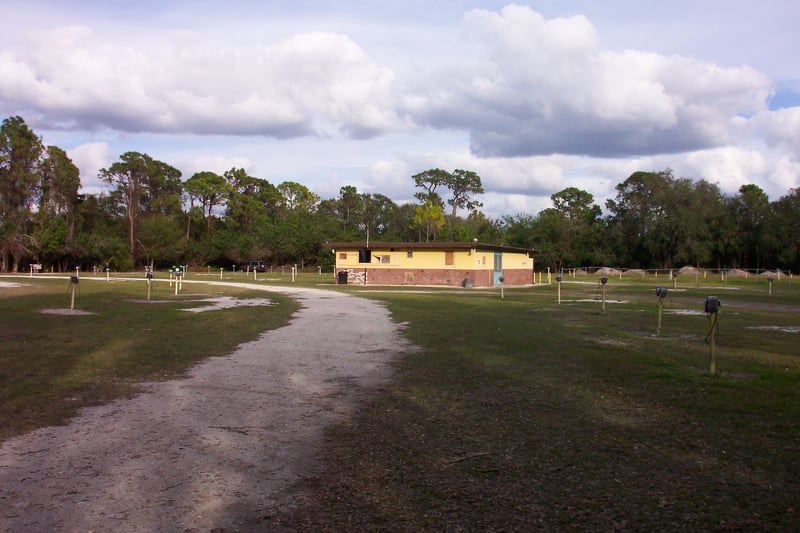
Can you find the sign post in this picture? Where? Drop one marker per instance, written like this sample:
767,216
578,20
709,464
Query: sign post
558,281
178,276
73,286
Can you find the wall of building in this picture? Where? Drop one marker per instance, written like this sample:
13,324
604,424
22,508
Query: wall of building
424,259
433,267
434,276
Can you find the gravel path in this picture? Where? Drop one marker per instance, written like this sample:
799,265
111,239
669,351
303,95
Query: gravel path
216,450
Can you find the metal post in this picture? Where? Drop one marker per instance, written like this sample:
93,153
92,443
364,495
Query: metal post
603,281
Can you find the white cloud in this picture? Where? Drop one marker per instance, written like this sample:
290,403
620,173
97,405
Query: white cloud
781,128
785,176
546,86
90,158
299,86
728,167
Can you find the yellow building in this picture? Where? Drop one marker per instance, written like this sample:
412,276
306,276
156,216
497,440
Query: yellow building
466,264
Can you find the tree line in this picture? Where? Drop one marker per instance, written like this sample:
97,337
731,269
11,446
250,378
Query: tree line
150,216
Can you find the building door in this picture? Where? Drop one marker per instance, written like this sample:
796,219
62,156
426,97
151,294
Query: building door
498,268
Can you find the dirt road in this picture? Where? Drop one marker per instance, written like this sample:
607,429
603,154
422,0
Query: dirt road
213,451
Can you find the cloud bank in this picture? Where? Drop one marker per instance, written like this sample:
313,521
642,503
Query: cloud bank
539,102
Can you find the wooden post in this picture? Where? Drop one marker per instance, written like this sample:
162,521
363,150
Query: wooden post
660,309
713,342
603,281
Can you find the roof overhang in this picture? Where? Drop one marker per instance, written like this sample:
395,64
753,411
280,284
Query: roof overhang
444,246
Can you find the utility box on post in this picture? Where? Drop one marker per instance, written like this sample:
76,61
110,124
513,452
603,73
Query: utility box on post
712,304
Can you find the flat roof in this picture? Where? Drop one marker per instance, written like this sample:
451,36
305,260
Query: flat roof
447,246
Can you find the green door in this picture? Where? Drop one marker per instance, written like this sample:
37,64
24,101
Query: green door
498,268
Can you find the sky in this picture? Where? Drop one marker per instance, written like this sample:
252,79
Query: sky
533,96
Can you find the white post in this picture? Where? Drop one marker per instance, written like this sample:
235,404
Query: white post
220,272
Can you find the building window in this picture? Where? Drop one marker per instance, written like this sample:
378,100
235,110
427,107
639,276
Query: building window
448,258
365,256
385,259
342,256
410,255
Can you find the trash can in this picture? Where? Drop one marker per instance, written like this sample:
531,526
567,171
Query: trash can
341,277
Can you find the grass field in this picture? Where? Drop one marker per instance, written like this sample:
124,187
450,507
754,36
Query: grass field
51,365
518,413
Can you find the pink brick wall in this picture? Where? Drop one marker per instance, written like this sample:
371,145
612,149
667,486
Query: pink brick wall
450,278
